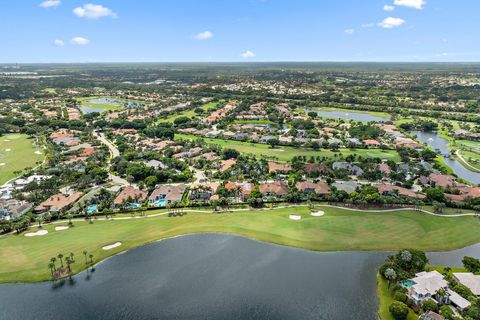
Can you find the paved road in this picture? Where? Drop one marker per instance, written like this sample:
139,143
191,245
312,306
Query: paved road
113,154
113,149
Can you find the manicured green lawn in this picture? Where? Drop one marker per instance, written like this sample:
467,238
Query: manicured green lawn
371,113
26,259
189,113
21,155
105,106
385,299
285,153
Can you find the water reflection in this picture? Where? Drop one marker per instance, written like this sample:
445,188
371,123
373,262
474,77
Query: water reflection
213,276
434,141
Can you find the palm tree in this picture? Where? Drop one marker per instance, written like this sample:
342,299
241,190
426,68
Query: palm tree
91,257
69,217
51,265
390,275
53,260
72,257
39,219
85,254
68,262
60,256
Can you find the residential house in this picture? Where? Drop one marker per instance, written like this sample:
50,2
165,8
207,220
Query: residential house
430,315
389,189
426,285
274,190
130,196
244,189
12,208
350,167
469,280
308,187
279,167
203,192
371,143
166,194
58,202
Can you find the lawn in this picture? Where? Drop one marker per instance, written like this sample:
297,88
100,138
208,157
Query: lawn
26,259
371,113
189,113
104,106
285,153
17,152
385,299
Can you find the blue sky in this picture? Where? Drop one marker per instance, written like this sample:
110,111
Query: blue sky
238,30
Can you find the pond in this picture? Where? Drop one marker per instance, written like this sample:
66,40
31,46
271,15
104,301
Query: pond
212,276
434,141
348,115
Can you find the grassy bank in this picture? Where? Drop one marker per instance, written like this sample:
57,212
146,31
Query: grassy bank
286,153
26,259
17,152
385,299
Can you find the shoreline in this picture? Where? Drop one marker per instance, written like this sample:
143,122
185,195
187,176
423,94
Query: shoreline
100,262
233,223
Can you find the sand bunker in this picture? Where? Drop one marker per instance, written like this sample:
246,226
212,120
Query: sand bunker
61,228
8,150
2,164
112,246
37,152
6,140
294,217
318,213
36,234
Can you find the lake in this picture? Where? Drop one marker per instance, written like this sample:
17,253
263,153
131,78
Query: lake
213,276
434,141
356,116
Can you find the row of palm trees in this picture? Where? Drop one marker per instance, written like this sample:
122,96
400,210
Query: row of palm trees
65,267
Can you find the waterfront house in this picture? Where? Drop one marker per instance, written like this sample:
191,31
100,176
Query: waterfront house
469,280
425,285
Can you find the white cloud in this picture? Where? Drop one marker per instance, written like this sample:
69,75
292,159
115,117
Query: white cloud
81,41
443,54
349,31
416,4
390,22
93,11
368,25
58,43
50,3
205,35
388,7
247,54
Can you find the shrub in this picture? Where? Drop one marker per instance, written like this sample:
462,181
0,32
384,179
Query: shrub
399,310
400,296
429,305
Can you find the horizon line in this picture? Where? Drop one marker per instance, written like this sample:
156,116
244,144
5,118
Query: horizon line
246,62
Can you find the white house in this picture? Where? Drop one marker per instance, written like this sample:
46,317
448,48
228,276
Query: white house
469,280
426,285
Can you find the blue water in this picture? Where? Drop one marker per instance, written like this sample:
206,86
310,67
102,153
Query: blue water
92,208
160,203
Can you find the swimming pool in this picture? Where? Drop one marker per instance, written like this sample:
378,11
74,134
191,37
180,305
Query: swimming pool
160,203
92,208
407,283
